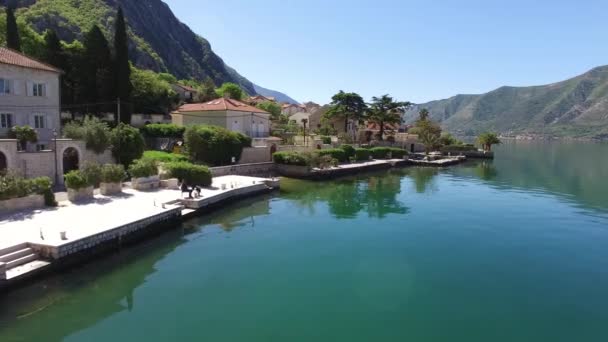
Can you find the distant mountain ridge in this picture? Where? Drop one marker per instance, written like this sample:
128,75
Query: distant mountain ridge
577,108
158,40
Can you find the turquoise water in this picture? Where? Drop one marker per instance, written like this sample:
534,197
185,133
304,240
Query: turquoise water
510,250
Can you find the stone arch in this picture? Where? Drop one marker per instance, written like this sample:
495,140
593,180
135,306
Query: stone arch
71,158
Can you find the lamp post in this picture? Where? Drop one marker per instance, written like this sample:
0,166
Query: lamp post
55,149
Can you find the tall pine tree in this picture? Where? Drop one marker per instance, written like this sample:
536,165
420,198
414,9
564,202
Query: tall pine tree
122,69
12,31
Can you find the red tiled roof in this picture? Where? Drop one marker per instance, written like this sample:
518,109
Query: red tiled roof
220,104
12,57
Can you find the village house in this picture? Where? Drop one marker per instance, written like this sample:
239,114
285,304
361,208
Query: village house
186,94
291,109
256,100
29,95
228,113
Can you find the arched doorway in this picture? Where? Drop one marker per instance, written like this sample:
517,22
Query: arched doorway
71,160
3,163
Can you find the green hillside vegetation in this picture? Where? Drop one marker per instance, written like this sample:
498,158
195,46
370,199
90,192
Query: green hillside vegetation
577,107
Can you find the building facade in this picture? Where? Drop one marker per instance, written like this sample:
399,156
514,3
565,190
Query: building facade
228,113
29,96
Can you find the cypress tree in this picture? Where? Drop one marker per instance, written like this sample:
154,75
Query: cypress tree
122,67
53,51
12,31
97,80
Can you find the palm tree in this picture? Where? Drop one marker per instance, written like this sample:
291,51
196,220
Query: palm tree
304,123
486,140
385,111
430,139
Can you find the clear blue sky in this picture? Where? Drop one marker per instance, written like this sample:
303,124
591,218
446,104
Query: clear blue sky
415,50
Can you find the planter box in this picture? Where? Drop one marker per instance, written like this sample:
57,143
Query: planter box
22,203
80,195
145,183
109,189
169,184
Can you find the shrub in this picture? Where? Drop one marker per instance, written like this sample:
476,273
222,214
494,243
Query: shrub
397,152
291,158
193,174
458,148
94,132
76,180
15,186
113,173
349,150
163,131
336,153
24,134
326,140
322,161
142,168
164,157
92,172
379,152
127,144
362,154
214,145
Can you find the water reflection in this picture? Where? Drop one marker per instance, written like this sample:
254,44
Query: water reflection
423,178
373,194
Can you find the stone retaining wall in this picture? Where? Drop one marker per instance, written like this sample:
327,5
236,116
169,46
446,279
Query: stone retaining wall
256,169
22,203
58,252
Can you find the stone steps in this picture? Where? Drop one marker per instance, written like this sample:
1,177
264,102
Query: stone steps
19,260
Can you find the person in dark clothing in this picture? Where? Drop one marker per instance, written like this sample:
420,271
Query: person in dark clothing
184,188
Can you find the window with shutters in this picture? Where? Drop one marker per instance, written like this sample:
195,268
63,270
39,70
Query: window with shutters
5,86
39,121
6,120
38,89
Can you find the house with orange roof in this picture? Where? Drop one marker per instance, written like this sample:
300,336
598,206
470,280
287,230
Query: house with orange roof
292,108
29,95
224,112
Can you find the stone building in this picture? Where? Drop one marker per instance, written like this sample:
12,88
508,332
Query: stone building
29,95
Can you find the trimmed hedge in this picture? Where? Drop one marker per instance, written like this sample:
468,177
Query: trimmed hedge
193,174
164,157
92,173
163,131
142,168
336,153
15,186
76,179
326,140
291,158
383,152
214,145
398,152
349,150
362,154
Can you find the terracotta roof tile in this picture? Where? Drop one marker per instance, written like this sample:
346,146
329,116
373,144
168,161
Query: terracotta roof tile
12,57
220,104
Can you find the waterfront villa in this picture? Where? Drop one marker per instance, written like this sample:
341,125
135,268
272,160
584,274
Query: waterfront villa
29,95
228,113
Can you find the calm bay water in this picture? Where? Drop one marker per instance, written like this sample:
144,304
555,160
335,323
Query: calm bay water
510,250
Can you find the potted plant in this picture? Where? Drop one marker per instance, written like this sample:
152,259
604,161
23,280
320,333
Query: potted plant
24,134
79,187
144,174
112,176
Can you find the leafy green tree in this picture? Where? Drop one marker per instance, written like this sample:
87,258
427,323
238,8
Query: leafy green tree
271,107
230,90
13,41
24,134
207,92
94,132
386,111
486,140
127,144
347,106
167,78
97,81
122,69
423,114
151,93
214,145
447,139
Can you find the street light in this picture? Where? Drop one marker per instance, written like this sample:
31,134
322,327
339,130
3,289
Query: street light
55,149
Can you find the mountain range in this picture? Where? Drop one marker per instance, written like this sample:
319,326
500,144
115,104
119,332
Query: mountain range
158,40
577,107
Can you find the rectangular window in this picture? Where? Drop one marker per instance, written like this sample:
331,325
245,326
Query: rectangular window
5,86
39,121
38,89
6,120
40,147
